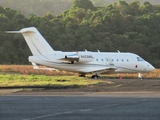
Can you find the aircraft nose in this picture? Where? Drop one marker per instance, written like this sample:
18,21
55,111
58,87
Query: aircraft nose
150,67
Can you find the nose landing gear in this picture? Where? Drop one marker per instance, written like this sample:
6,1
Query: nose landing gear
140,75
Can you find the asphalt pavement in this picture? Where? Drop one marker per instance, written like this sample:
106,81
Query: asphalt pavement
79,107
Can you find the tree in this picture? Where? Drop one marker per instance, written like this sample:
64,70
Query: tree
78,14
113,20
141,50
2,10
35,20
146,7
99,3
134,8
48,16
124,26
85,4
123,7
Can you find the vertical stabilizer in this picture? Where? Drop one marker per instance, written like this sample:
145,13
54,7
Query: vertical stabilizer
36,42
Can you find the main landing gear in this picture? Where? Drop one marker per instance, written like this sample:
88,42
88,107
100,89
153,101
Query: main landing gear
95,76
81,75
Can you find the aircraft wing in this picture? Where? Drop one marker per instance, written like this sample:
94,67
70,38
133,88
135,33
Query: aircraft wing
100,70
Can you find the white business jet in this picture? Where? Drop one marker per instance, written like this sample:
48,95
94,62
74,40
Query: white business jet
82,62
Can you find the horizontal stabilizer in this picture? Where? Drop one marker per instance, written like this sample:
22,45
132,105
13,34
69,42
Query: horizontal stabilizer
12,32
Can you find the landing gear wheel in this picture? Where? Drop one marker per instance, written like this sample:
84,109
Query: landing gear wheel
95,77
82,76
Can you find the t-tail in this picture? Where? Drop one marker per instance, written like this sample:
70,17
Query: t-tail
36,42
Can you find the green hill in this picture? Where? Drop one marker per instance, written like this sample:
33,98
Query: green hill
129,27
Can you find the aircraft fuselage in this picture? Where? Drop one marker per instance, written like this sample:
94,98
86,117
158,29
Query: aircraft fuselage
84,62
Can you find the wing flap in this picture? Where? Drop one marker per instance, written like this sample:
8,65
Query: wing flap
100,70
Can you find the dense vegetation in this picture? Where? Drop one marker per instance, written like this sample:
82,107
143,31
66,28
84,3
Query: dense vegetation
123,26
27,7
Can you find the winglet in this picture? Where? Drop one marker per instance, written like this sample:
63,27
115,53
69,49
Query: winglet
12,32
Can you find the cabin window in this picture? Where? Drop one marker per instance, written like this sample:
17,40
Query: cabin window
117,60
107,60
127,60
122,60
97,60
102,60
112,60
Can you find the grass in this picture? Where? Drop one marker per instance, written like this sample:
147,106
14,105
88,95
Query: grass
26,76
151,75
19,80
28,69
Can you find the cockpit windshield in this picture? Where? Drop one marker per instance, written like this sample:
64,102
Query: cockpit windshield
139,59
